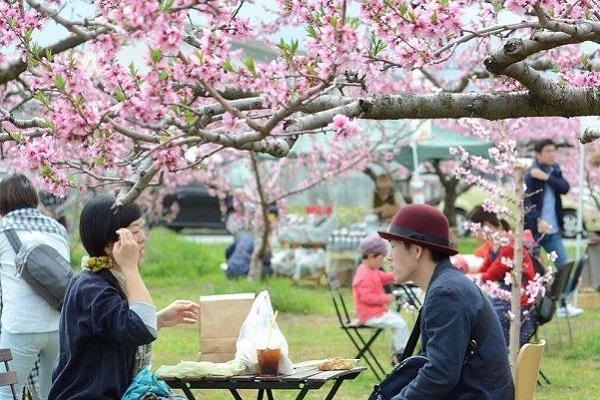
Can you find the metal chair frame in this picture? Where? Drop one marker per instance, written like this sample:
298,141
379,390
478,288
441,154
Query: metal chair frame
357,334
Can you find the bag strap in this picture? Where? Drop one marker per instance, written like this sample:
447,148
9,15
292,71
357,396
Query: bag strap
14,240
480,331
413,339
482,327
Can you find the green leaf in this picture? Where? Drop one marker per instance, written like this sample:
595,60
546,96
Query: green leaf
49,124
434,18
155,55
166,5
132,71
119,95
228,66
311,31
403,8
41,97
189,116
249,63
60,83
163,75
282,45
27,34
49,55
99,161
294,46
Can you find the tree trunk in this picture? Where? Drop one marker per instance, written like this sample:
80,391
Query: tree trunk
517,272
262,229
450,184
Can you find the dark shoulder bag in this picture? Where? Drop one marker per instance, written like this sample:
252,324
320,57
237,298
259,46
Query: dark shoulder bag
408,368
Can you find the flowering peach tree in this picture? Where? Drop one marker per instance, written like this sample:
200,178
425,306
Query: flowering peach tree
77,115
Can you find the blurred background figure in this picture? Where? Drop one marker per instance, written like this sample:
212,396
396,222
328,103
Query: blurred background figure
53,206
500,248
385,204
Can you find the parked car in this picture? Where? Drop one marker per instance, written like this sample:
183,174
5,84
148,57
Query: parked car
196,209
199,209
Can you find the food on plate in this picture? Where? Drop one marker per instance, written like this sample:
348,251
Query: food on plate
335,364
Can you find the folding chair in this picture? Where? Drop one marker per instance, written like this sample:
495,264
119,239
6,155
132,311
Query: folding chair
405,292
561,281
361,336
9,377
527,368
556,293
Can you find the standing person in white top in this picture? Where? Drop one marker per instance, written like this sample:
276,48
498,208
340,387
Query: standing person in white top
29,323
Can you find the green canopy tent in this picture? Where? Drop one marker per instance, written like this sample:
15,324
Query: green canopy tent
436,147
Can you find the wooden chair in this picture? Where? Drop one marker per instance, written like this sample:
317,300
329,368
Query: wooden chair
528,366
8,377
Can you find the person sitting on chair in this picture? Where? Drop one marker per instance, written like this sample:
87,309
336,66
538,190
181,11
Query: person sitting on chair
370,300
495,269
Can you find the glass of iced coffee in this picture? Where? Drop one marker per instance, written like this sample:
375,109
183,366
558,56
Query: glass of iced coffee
268,361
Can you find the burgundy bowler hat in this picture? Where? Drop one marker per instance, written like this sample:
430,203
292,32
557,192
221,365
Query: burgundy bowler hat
423,225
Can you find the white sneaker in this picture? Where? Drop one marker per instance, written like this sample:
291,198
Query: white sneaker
572,311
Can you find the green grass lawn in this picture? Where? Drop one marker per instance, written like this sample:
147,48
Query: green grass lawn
176,268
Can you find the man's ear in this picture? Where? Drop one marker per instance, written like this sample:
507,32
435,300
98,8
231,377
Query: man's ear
418,252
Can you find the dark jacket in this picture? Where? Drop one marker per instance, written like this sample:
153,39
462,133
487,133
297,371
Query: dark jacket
534,195
451,309
99,335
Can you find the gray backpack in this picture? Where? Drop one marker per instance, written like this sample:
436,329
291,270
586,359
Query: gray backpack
43,268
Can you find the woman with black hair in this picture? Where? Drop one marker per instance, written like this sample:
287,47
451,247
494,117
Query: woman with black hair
108,319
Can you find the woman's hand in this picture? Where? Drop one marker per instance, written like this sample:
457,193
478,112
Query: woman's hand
126,250
178,312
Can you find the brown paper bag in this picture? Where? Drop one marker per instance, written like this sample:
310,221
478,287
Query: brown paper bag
221,317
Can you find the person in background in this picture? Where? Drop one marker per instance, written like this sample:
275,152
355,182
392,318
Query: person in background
108,318
238,254
544,185
453,313
370,300
29,322
385,204
494,269
53,206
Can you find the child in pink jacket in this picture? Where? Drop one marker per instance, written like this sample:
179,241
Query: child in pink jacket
370,300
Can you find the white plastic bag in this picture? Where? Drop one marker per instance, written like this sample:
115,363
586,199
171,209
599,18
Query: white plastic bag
254,334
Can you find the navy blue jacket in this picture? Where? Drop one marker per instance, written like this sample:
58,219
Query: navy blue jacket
451,309
534,195
98,339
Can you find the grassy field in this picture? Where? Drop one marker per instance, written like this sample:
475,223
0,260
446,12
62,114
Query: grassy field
176,268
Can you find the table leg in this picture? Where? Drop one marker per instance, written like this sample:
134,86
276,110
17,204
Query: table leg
188,393
235,394
334,389
302,393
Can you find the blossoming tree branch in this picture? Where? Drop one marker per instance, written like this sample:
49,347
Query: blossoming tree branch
72,111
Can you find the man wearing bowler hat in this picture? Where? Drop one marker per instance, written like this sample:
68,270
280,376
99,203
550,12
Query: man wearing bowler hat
454,313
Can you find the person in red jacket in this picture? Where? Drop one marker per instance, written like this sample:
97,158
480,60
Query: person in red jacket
370,300
497,263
